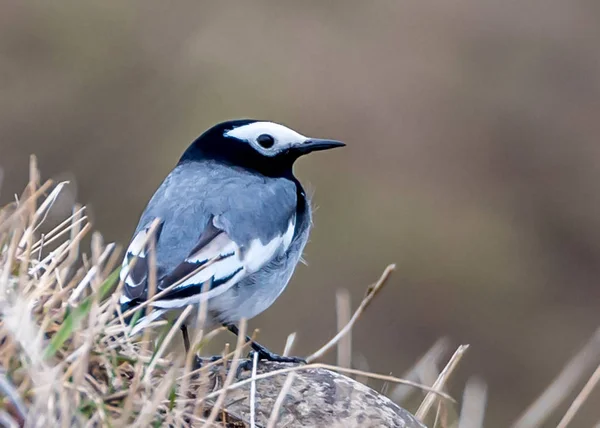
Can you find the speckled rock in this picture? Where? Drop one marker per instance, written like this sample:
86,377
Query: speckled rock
317,398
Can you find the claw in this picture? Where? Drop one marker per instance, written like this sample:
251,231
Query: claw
199,361
265,355
244,366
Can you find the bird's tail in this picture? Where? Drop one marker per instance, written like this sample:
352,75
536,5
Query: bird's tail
131,304
142,320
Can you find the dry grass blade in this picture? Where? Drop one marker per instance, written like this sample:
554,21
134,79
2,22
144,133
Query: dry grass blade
22,207
580,399
42,211
190,358
7,421
62,228
11,393
148,412
440,382
152,274
167,340
344,312
253,392
230,374
90,275
280,399
289,343
472,413
371,293
207,367
431,358
563,385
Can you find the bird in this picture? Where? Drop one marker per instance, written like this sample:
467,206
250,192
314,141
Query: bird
227,227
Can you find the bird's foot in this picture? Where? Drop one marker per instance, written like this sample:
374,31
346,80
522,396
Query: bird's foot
262,353
199,361
265,355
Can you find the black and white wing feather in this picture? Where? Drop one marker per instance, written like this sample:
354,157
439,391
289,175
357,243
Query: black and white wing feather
220,262
135,267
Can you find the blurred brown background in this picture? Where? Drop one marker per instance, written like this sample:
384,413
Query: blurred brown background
473,158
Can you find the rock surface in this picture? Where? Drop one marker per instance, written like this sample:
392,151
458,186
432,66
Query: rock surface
317,398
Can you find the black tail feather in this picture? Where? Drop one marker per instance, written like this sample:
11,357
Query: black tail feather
132,304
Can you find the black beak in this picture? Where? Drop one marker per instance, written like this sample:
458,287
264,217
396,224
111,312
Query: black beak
315,144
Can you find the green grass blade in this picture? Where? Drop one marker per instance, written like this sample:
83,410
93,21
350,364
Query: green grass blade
70,323
108,284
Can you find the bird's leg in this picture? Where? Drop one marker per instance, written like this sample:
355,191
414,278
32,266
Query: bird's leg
264,353
186,338
186,345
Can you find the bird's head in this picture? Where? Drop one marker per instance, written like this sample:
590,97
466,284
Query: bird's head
268,147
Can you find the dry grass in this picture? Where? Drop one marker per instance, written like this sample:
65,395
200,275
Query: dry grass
66,359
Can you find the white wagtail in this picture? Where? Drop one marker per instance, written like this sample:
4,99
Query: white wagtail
232,224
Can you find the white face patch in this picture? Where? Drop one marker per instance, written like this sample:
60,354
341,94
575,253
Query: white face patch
283,136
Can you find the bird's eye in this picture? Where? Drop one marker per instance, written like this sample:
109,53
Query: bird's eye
265,140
